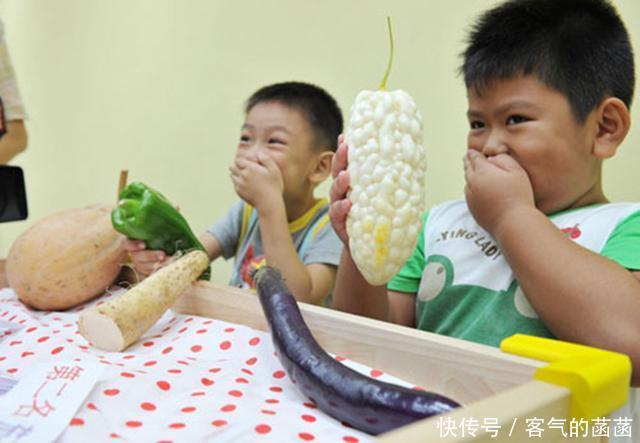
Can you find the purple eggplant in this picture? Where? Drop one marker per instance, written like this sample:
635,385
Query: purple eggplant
366,404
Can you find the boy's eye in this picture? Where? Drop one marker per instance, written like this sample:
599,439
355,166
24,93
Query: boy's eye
476,124
515,119
244,139
276,141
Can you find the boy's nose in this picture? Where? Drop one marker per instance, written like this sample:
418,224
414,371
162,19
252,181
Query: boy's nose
250,152
494,145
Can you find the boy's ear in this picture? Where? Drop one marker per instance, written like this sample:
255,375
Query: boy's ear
613,123
322,168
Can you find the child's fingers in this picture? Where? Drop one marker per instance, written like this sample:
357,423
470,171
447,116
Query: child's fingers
147,256
267,162
477,164
465,162
505,162
339,187
164,262
242,164
473,158
340,159
133,245
236,173
238,166
338,211
146,262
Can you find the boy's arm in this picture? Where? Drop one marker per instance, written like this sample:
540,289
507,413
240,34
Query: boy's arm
352,293
211,245
309,283
580,295
261,185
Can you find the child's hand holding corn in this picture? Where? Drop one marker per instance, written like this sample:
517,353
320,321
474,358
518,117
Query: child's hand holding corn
340,204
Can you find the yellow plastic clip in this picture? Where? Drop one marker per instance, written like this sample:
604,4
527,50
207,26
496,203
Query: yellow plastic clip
599,380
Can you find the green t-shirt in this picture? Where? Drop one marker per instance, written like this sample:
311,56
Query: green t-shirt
464,285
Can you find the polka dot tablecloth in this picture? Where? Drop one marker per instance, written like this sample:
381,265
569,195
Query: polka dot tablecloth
188,379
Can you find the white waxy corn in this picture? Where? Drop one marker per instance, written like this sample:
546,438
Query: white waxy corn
386,171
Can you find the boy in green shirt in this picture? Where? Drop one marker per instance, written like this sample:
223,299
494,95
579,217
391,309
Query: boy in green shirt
535,247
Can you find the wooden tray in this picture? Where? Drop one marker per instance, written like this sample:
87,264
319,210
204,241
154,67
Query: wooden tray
491,384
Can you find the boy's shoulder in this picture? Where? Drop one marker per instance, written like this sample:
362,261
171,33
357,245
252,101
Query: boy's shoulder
610,209
461,207
456,212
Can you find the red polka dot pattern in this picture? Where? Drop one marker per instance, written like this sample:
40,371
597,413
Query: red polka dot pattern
188,379
263,429
163,385
228,408
148,406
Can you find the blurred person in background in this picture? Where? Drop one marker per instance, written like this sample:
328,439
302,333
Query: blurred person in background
14,139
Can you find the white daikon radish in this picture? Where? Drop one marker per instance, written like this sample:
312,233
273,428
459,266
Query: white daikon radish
118,323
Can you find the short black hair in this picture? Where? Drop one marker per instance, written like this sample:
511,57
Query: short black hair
580,48
318,107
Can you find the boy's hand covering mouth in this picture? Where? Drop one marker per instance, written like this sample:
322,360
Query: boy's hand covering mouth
257,182
494,186
340,205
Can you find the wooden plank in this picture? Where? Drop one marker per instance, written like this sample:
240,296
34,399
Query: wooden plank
489,383
510,409
459,369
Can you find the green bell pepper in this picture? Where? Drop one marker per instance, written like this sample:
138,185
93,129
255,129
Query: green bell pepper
145,214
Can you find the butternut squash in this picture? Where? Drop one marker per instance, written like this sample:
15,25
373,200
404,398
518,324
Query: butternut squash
66,258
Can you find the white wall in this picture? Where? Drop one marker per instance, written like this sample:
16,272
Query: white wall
157,86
